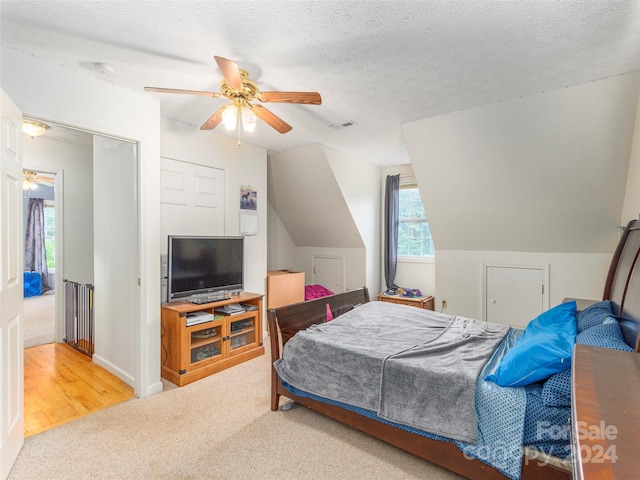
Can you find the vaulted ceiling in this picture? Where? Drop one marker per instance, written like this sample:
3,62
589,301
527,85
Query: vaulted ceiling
377,64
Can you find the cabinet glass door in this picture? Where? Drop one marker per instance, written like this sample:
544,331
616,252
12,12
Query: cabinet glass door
242,333
206,343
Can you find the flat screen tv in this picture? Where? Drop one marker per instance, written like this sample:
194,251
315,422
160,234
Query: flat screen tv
204,266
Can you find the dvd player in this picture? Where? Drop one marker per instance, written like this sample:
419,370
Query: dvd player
208,299
195,318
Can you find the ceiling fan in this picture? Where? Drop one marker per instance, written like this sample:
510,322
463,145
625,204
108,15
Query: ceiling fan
241,90
31,180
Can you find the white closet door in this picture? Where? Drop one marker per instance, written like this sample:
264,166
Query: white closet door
328,271
192,203
192,198
515,295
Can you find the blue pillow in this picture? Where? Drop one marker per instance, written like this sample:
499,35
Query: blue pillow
593,315
605,335
556,391
544,348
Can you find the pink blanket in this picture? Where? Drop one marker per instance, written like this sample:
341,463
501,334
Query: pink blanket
315,291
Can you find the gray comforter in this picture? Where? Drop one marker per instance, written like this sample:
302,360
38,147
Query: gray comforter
411,366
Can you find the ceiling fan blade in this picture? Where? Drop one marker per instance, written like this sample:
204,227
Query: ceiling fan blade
231,72
312,98
176,90
214,119
270,118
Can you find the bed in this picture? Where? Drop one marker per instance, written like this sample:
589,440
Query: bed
535,457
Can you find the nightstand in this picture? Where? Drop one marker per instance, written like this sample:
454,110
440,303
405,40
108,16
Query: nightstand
604,411
420,302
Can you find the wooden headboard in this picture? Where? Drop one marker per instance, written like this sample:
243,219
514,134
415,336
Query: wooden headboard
622,286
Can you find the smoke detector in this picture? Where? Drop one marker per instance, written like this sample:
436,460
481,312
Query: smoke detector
105,71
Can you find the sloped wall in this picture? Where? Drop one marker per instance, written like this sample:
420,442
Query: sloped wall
545,173
303,190
328,203
534,180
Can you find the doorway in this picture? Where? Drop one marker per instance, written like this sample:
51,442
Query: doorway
39,230
85,170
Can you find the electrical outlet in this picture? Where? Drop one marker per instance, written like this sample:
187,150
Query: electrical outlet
444,303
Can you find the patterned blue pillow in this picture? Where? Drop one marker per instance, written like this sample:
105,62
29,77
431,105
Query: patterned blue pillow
605,335
593,315
556,391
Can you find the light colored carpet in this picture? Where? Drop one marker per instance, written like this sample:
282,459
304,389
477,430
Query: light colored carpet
219,428
39,319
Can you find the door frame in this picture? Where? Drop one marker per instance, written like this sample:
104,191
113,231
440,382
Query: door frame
138,380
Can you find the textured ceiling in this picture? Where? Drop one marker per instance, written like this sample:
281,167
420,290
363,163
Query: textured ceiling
376,63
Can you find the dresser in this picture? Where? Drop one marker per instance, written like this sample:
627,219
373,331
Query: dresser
605,421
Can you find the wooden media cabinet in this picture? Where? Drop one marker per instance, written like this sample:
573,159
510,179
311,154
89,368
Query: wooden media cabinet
189,353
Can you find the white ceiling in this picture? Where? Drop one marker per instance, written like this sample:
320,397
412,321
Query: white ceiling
376,63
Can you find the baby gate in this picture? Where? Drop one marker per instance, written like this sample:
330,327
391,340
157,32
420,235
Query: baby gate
78,316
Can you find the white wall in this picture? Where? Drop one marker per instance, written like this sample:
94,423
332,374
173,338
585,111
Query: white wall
281,251
305,192
115,257
359,183
543,173
244,165
49,92
460,277
75,164
631,208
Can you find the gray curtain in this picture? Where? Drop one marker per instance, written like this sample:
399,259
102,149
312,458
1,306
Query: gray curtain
391,213
35,258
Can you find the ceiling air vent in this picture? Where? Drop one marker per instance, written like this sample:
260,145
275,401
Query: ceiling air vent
337,126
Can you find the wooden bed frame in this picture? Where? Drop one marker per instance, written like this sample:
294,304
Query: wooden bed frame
622,287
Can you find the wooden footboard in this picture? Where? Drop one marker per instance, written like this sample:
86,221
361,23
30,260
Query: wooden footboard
284,322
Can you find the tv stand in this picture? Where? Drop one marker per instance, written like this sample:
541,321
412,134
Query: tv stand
190,353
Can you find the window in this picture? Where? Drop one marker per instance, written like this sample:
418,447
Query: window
414,236
50,234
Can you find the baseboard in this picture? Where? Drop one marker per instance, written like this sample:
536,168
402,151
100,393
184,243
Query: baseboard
110,367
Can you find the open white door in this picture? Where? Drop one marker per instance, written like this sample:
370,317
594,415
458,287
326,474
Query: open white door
11,295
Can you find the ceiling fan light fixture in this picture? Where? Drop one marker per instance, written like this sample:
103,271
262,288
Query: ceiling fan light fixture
33,128
249,120
230,117
28,182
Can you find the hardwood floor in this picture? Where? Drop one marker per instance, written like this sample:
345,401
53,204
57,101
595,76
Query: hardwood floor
61,384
